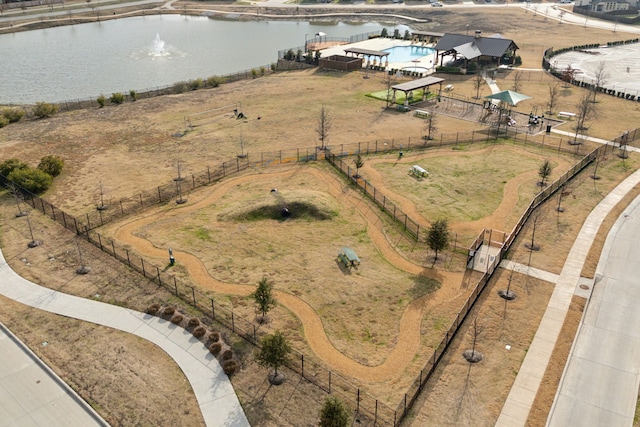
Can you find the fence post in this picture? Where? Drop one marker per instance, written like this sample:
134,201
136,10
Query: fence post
53,212
159,195
193,294
254,338
121,208
113,246
99,241
301,362
64,219
358,401
128,259
224,173
44,211
208,175
329,382
233,324
141,204
89,222
213,310
375,414
159,280
175,285
143,272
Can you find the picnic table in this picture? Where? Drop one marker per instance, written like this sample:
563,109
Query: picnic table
566,114
348,257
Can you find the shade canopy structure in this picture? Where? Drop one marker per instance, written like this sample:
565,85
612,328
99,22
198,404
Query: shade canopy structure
508,97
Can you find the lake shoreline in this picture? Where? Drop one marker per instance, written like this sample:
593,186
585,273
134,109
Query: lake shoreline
248,13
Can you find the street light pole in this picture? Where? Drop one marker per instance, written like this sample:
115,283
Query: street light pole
305,43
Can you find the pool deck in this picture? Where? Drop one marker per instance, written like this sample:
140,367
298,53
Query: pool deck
425,63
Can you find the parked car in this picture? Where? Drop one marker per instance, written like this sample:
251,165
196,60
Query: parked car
436,4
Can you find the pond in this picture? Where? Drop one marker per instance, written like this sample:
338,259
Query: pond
86,60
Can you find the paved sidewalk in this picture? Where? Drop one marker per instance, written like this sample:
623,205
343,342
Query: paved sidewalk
600,382
31,394
525,387
216,397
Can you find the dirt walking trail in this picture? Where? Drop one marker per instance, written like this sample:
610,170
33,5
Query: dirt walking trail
408,341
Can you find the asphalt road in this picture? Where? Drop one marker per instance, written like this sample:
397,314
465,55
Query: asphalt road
600,383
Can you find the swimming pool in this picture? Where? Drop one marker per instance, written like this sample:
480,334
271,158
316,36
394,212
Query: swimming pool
407,53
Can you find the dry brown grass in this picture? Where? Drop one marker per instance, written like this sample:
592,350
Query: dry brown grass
137,138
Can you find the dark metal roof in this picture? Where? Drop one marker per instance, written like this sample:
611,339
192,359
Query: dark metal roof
417,84
488,46
358,51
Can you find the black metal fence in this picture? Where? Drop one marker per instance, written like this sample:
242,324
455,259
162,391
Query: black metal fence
182,185
175,88
619,93
367,409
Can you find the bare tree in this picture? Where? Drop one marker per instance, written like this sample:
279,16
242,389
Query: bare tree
532,245
478,81
33,243
600,79
430,123
552,100
623,142
474,356
17,195
586,110
517,81
568,74
324,126
102,191
358,162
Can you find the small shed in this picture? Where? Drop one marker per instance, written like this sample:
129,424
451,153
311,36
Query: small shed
340,62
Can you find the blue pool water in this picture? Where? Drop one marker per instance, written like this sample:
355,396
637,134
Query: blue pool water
407,53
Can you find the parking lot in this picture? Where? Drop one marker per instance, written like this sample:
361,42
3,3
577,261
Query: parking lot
621,65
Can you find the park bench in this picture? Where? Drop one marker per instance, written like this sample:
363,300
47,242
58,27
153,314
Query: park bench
421,114
403,108
448,88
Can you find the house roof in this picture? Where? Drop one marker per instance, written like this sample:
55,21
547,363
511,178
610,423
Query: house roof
488,46
469,50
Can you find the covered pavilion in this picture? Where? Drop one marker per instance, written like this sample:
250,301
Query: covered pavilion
367,53
475,48
408,88
427,37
